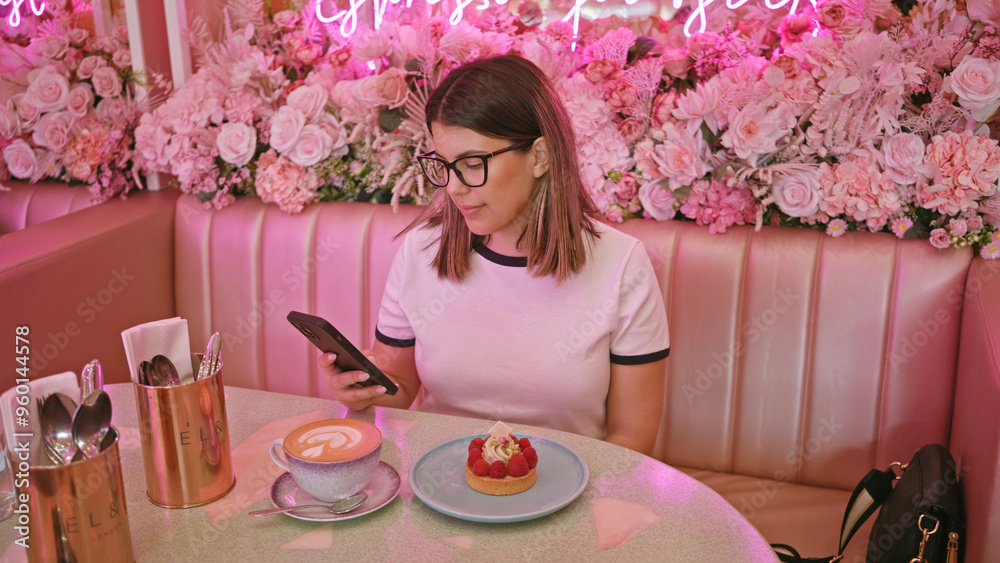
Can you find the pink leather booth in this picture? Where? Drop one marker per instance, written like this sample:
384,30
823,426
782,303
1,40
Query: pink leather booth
25,204
798,361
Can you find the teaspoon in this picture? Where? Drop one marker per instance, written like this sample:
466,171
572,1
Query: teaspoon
341,506
167,371
57,426
91,422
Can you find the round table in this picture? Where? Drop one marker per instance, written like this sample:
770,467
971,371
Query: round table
686,521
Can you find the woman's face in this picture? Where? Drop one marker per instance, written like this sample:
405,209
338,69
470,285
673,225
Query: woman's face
497,208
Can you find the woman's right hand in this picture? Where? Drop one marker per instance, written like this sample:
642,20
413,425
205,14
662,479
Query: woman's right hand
343,384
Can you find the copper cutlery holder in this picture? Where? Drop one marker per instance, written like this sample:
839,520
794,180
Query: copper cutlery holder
78,510
185,441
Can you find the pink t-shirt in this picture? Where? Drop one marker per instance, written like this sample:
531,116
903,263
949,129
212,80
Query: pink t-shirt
503,345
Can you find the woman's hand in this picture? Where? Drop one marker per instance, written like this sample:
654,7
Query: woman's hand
343,384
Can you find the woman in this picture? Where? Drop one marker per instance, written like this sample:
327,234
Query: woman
508,299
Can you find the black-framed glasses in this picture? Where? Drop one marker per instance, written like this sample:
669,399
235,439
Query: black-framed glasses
471,170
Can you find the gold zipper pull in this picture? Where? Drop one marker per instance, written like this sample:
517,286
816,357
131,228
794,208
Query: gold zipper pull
923,541
953,547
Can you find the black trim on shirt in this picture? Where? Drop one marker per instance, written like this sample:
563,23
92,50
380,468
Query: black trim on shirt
512,261
640,359
394,342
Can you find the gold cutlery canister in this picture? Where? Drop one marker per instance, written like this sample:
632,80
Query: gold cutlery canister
78,510
185,441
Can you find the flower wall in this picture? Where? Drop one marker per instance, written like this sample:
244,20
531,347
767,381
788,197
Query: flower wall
67,102
849,115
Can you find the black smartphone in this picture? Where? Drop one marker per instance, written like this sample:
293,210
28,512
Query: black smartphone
349,358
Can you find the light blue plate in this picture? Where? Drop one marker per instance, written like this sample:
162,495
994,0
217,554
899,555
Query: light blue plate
438,479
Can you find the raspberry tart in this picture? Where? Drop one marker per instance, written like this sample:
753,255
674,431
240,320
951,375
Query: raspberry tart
501,464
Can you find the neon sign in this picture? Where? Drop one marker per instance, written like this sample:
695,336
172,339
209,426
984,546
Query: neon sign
15,12
349,17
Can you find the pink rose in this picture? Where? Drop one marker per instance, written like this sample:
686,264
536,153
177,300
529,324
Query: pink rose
52,130
794,26
50,46
236,142
631,129
77,36
621,96
904,155
976,82
940,238
27,112
286,124
797,196
21,160
48,89
958,227
657,201
833,15
663,105
120,33
80,100
677,62
337,133
122,58
88,65
310,100
788,65
287,20
340,55
107,83
314,144
975,224
628,187
602,70
391,88
308,54
10,125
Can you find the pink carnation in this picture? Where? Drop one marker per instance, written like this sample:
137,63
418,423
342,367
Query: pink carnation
285,183
968,169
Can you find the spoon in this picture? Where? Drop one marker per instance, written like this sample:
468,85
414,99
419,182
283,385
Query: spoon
57,426
340,507
146,374
167,371
91,422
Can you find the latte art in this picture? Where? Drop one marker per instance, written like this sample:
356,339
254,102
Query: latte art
332,440
321,442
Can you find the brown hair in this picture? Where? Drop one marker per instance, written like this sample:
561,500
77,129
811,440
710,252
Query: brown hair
508,97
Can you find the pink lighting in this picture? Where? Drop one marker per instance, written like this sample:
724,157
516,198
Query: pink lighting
349,17
15,13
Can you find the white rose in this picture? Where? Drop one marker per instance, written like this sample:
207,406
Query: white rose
904,155
310,100
797,196
314,144
286,124
21,160
976,82
237,143
657,200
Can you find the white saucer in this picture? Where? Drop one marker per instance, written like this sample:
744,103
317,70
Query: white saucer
383,487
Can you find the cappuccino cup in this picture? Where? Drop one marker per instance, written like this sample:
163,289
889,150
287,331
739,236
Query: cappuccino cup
330,459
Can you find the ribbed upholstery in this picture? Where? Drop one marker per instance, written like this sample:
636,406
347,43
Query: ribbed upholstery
329,260
803,356
27,204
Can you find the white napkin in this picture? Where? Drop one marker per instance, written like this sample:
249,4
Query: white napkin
167,337
11,400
